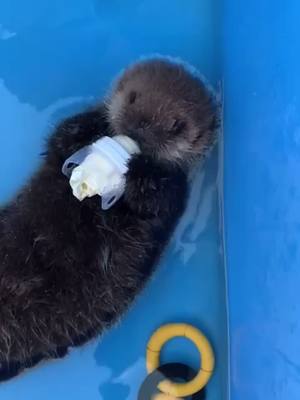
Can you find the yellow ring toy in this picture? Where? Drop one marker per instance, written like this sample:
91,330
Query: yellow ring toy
157,341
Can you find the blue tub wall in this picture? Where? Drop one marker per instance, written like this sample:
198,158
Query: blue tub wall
57,57
262,192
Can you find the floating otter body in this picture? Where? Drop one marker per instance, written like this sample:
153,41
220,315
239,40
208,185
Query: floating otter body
69,270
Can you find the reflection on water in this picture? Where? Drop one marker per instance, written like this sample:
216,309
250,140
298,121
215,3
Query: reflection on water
20,156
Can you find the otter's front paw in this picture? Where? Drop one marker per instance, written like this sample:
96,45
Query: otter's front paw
142,187
150,187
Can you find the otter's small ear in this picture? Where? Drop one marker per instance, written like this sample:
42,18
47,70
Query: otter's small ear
132,97
177,126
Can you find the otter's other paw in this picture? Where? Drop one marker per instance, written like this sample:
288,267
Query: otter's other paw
151,187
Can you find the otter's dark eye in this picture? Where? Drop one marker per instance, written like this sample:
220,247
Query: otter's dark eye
132,97
178,126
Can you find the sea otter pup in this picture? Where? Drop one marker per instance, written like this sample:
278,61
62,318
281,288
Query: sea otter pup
68,269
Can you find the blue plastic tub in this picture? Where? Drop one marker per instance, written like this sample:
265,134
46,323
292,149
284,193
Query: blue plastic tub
261,65
56,58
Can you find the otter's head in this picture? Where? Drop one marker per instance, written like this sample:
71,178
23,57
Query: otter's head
165,108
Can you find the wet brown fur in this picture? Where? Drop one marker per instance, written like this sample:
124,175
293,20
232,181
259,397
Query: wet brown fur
69,270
